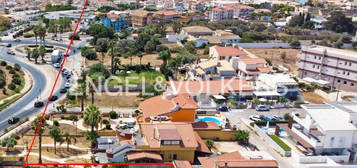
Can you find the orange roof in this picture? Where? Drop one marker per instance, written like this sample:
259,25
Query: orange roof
253,60
151,133
159,105
182,164
211,86
235,160
166,13
202,147
229,51
243,7
130,142
143,155
205,125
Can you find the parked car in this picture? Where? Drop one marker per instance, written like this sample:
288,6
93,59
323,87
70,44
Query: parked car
10,52
67,85
63,90
255,118
13,120
53,98
57,65
222,108
8,45
278,118
39,104
262,108
17,40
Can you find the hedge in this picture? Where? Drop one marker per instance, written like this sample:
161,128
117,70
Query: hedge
281,143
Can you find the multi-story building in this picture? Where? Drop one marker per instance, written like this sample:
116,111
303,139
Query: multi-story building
221,13
251,68
167,142
140,18
242,11
117,20
337,67
165,17
327,130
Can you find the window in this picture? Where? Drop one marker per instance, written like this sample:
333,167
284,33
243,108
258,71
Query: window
319,58
338,81
345,82
348,73
352,84
174,157
344,73
313,66
332,141
350,64
315,57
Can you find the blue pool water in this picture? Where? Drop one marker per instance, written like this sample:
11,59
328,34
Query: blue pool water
209,119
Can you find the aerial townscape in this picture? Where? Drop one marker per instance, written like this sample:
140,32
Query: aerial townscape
178,83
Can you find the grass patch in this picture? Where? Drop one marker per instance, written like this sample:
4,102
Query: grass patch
9,101
281,143
136,78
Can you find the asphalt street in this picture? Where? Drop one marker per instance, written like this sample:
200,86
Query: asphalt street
18,109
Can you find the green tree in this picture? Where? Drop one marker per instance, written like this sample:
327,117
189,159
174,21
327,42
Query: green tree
61,109
92,116
35,126
9,142
209,143
242,136
295,44
88,53
339,23
354,44
165,56
176,26
56,135
102,45
42,52
28,53
35,54
69,139
92,136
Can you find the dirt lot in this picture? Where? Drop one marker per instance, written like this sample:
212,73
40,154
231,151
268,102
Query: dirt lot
275,55
313,98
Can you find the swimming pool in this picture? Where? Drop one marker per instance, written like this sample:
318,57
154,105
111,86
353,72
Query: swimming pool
217,121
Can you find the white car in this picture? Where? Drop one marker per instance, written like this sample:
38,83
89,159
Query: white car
57,65
255,118
67,85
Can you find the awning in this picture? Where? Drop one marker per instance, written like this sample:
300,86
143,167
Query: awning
312,80
219,97
265,93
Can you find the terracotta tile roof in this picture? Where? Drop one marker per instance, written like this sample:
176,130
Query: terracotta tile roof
202,147
126,142
182,164
151,133
235,160
229,51
211,86
205,125
132,156
149,106
253,60
242,7
166,13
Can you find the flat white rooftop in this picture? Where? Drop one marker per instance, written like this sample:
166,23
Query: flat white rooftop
347,54
329,118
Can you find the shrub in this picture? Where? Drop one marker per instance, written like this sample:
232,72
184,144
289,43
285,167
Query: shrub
17,67
12,86
55,123
281,143
28,35
17,137
15,75
4,91
76,37
16,81
105,122
73,117
12,71
3,63
113,115
8,67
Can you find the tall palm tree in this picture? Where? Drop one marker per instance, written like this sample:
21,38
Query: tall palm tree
28,53
92,116
69,139
36,32
56,135
164,56
35,54
140,55
42,34
34,126
42,52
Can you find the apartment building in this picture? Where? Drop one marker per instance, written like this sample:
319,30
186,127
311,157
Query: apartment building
140,18
221,13
225,53
338,67
251,68
328,130
117,20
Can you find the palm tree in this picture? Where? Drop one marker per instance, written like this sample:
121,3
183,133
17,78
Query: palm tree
56,135
9,142
42,34
92,116
35,54
140,55
112,54
36,32
28,52
209,144
69,139
34,126
117,63
42,52
164,56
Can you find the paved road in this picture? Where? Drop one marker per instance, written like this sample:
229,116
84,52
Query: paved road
19,109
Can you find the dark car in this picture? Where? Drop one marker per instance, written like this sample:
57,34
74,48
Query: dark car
13,120
39,104
222,108
53,98
8,45
63,90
